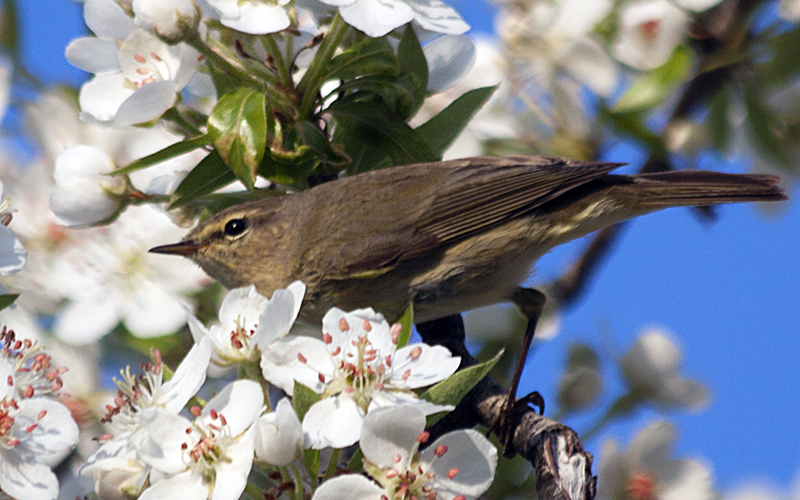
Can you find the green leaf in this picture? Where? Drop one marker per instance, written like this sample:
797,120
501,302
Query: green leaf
633,125
453,389
303,399
395,93
356,463
367,57
9,28
238,125
7,299
208,176
719,125
311,464
413,65
168,153
653,87
441,130
766,126
223,82
785,61
407,323
364,131
305,133
290,168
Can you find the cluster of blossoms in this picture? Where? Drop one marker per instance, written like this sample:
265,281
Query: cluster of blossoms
154,450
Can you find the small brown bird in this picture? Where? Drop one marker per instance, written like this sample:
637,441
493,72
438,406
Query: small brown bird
447,236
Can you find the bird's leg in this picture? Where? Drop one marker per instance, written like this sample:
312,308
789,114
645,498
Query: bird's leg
531,303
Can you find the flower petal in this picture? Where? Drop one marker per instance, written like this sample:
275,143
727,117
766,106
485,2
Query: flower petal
13,255
391,433
450,58
437,16
240,402
334,422
279,315
471,455
259,19
148,103
279,435
183,485
377,17
352,486
25,477
188,378
281,367
95,55
421,365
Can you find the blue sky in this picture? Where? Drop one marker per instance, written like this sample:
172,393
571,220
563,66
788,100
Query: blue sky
730,292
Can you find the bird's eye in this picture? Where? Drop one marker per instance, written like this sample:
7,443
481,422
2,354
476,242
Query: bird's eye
235,227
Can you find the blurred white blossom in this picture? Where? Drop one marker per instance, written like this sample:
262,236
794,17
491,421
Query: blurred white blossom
13,255
652,371
647,470
556,37
114,278
649,32
790,10
458,465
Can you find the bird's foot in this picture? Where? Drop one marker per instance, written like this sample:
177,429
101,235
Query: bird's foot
506,422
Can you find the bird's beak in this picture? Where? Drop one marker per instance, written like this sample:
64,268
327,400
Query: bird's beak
187,248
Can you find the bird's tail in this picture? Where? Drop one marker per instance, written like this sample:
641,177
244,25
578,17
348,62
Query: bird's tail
700,187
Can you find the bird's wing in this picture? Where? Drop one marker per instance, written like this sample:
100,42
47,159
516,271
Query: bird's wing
469,196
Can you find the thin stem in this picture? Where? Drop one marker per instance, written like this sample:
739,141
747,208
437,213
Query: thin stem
312,80
271,46
227,64
173,115
331,470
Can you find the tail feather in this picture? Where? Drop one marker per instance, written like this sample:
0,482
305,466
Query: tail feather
700,187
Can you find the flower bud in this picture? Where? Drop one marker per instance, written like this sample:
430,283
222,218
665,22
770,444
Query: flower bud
83,194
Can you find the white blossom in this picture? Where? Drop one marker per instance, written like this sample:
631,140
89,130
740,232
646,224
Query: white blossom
209,457
170,20
256,17
646,470
137,76
652,370
378,17
458,465
279,435
556,37
649,32
115,468
35,431
249,323
357,368
789,10
83,193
